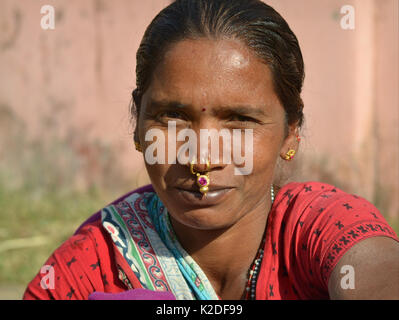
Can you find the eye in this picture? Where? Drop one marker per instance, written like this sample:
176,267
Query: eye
241,118
171,115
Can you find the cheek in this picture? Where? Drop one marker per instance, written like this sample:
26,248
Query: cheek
157,174
266,148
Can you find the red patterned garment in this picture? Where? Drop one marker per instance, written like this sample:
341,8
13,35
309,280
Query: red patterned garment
310,227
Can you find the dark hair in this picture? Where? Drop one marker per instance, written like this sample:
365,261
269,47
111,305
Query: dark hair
253,22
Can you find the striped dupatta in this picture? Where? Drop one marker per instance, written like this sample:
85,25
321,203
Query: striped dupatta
141,231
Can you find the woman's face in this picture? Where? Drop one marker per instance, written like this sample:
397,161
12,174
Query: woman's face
214,84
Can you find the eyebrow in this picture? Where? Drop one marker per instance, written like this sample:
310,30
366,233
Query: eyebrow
167,104
240,109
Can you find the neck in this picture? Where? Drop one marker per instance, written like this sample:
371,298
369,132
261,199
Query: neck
225,255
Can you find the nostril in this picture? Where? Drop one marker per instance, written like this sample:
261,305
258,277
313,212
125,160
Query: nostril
203,168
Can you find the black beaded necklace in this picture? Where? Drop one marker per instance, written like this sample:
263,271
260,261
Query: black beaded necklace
250,288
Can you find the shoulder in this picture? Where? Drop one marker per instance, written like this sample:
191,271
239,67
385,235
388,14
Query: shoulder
100,230
72,270
311,200
84,263
320,223
309,191
322,211
96,217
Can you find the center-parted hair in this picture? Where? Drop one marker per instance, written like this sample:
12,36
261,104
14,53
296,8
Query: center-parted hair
252,22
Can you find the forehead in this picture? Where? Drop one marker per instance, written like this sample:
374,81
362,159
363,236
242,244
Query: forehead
212,72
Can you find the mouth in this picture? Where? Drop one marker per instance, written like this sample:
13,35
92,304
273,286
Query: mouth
193,197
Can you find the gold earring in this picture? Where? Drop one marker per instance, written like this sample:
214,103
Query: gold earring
290,155
138,146
203,180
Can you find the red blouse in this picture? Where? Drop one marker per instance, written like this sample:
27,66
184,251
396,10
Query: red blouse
311,225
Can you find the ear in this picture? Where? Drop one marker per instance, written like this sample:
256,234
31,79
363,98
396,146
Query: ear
136,136
291,141
135,122
134,111
136,98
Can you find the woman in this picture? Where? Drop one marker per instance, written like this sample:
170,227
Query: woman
204,228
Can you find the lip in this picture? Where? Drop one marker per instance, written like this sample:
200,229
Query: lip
193,197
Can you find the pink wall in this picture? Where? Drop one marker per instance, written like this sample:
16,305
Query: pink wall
78,78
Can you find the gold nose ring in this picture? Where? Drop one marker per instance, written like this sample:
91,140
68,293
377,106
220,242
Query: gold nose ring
203,180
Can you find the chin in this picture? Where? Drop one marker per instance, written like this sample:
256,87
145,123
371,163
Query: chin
204,219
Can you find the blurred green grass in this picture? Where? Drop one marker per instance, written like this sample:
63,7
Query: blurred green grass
51,217
394,223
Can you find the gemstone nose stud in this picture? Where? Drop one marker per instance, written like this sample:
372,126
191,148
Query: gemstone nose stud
203,179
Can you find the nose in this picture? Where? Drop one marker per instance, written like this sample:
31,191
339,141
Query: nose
209,148
203,162
201,165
